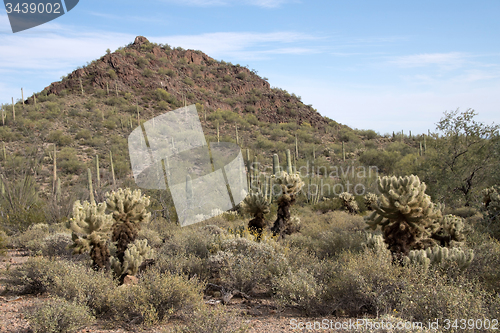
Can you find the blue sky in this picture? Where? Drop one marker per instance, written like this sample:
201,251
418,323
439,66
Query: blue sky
381,65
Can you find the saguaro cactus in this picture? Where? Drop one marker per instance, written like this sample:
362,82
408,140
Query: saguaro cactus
90,220
288,162
276,164
405,213
291,184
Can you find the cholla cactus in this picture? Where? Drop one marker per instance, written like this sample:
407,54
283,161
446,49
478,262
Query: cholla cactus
256,204
441,256
90,220
349,202
134,256
370,200
492,206
129,212
291,184
374,242
405,213
451,230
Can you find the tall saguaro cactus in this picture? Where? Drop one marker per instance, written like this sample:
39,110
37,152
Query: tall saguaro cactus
288,162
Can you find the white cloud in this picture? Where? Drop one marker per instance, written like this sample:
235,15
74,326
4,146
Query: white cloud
241,45
211,3
449,60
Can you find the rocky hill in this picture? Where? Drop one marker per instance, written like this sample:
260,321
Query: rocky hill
191,76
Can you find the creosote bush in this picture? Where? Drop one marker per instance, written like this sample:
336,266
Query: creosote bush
59,316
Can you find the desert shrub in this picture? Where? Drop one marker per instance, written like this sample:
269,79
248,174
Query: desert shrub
484,267
249,109
109,124
83,134
59,316
225,90
299,289
368,134
100,93
155,298
243,264
75,282
7,135
90,104
59,138
56,245
35,276
142,62
241,75
188,81
425,297
358,284
52,110
153,237
4,241
329,243
68,161
115,101
112,74
147,72
216,320
32,238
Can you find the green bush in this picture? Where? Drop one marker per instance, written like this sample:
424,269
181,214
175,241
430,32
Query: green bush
142,62
115,101
35,276
59,316
59,138
68,161
75,282
110,124
241,75
147,72
4,241
56,245
112,74
188,81
156,298
83,134
243,264
298,289
32,238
